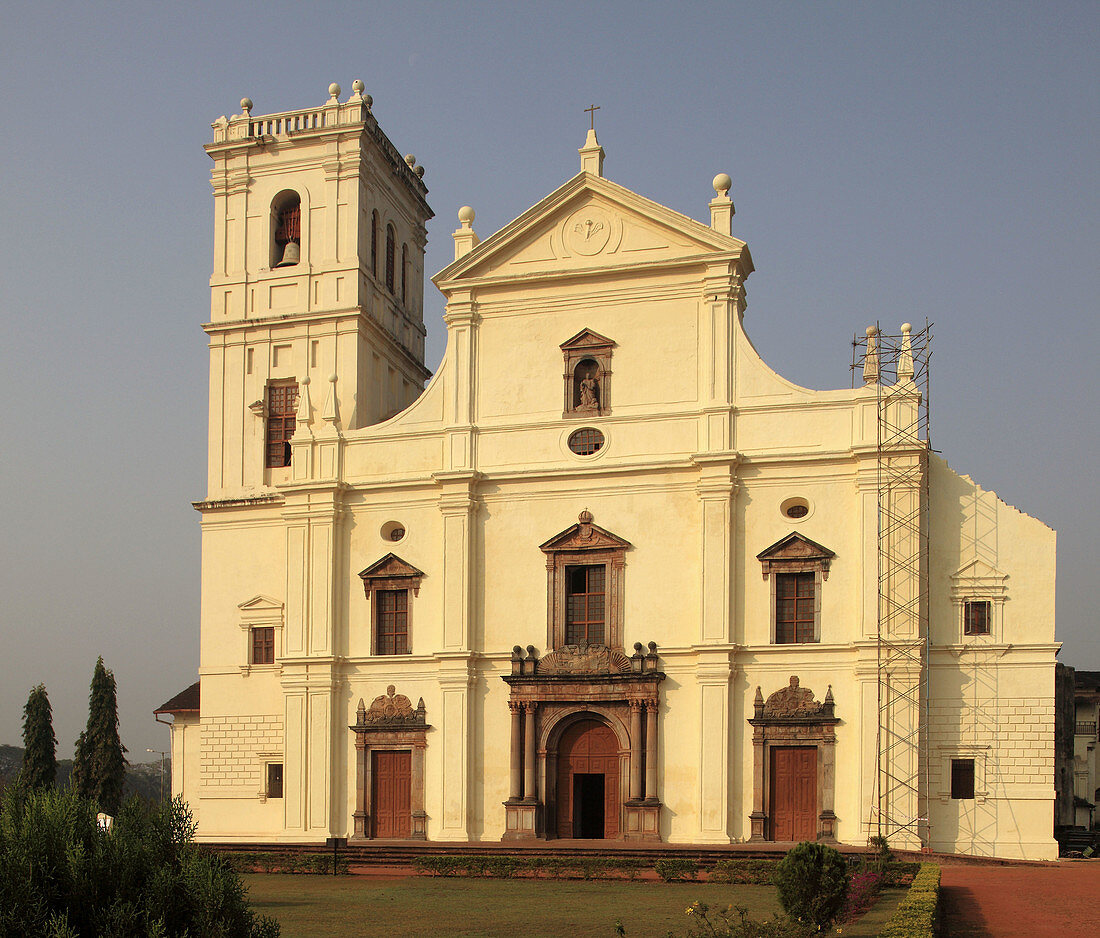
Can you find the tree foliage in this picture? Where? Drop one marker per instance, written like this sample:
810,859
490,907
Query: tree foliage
61,876
39,741
99,766
812,884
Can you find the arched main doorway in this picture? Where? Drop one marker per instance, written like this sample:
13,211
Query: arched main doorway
588,794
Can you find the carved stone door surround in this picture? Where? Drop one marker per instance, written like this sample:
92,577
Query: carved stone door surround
552,693
791,717
390,723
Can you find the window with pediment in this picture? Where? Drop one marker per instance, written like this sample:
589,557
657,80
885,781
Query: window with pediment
390,584
796,568
584,567
587,374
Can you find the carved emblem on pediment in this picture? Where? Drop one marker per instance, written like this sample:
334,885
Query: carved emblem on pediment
796,551
584,659
588,231
795,701
390,709
584,535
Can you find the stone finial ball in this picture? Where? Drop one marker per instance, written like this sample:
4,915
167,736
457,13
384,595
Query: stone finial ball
466,215
305,379
333,378
246,104
410,159
419,170
585,517
357,86
334,90
871,330
906,327
369,99
722,183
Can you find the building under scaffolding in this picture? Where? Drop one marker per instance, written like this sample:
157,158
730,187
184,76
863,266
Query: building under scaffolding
897,366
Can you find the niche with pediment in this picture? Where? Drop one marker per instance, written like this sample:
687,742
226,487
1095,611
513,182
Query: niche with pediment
587,374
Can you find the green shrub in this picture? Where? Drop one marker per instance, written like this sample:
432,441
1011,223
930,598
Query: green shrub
812,884
917,914
744,872
676,869
61,876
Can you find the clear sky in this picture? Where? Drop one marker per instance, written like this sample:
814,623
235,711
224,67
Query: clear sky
890,162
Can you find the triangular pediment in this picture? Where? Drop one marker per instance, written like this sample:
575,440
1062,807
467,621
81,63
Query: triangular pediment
795,547
260,603
586,224
584,536
978,570
587,339
390,567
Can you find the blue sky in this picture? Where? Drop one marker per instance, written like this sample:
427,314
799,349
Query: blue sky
890,162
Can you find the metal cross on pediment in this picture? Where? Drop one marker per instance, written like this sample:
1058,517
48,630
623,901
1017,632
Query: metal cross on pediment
591,112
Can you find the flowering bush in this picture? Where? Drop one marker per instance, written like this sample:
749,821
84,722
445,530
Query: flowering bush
863,892
734,922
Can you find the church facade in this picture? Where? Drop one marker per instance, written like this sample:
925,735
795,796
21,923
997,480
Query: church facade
607,575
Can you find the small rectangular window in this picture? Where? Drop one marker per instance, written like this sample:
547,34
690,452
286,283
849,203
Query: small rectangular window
274,780
794,608
976,618
282,403
263,645
962,779
392,622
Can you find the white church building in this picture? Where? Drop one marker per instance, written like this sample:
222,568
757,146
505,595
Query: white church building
603,576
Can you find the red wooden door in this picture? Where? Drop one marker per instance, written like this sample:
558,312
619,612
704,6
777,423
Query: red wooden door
588,748
391,793
794,793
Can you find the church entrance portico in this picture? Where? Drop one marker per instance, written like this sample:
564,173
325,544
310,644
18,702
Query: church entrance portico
584,751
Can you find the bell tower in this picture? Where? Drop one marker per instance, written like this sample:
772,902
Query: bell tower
317,289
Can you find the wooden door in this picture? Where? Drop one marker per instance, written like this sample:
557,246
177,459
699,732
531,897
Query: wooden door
391,793
587,748
793,793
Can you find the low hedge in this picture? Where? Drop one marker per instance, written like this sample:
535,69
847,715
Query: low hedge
505,867
917,914
315,863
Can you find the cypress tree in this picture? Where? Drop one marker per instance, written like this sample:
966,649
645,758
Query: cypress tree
99,767
39,742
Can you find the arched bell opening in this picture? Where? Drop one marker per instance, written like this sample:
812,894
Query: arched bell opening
286,229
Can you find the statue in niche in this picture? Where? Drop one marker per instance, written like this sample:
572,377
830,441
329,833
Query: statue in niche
588,386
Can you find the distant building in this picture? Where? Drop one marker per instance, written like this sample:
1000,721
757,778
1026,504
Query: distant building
1086,777
608,575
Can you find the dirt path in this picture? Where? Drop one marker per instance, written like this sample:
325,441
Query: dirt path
1022,901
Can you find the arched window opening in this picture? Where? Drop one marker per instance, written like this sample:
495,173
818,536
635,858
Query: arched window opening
287,220
404,271
374,244
391,247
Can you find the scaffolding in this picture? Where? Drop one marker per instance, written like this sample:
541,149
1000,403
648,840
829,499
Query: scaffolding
897,366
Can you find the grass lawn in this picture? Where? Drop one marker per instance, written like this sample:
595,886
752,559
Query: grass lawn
364,907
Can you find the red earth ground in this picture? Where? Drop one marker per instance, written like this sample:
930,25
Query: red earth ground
1061,899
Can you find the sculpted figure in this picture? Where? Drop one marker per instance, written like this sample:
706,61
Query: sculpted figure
590,390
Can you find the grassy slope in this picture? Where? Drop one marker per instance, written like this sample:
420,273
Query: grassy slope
326,907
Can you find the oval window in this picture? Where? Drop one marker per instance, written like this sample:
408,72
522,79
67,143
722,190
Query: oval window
392,531
795,508
585,442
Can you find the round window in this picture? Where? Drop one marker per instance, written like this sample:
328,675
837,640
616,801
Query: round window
795,508
392,531
585,442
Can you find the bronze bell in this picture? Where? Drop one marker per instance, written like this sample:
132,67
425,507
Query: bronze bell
292,253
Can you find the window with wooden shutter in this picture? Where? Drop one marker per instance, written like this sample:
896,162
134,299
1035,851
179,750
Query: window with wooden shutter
391,248
282,403
263,645
794,608
392,622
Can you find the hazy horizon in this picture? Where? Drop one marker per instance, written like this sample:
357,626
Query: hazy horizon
890,163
